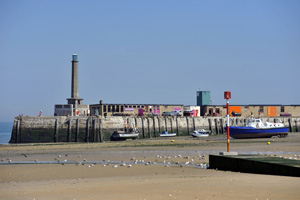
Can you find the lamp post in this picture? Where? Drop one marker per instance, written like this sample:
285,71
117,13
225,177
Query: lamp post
227,96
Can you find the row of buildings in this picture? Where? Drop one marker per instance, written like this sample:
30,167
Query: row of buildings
74,107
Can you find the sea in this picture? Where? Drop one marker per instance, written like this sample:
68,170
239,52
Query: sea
5,132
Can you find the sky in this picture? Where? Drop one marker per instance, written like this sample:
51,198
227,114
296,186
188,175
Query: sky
148,52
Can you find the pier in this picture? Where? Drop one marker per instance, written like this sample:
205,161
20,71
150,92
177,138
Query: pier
36,129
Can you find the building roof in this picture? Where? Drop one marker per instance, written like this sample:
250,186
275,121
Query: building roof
138,104
257,105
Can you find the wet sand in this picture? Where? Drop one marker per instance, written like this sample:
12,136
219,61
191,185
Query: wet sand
147,180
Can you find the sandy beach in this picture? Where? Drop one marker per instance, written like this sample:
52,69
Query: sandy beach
142,169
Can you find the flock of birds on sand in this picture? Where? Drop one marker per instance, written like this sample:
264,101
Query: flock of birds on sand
158,160
166,161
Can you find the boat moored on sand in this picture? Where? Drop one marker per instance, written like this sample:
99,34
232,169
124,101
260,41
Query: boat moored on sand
167,134
126,133
255,128
200,133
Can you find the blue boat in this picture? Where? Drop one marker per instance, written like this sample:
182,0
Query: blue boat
255,128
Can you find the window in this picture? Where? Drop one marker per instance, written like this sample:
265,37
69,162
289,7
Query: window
104,108
218,110
113,108
261,109
210,111
109,108
122,108
282,109
118,108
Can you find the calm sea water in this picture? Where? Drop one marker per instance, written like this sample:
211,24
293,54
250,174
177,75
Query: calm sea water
5,132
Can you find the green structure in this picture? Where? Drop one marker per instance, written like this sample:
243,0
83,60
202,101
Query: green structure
203,98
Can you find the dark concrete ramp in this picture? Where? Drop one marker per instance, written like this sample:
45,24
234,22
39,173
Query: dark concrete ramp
258,164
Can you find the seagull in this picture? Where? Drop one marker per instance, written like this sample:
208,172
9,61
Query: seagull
24,155
129,166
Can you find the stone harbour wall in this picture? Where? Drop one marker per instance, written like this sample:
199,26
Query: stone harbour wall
44,129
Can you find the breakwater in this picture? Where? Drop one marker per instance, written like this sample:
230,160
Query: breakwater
42,129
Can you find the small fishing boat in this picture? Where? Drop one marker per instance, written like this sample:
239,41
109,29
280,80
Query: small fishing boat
167,134
127,133
200,133
255,128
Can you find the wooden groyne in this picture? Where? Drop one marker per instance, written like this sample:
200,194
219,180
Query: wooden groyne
39,129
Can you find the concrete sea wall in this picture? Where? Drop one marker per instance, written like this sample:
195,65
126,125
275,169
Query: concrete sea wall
35,129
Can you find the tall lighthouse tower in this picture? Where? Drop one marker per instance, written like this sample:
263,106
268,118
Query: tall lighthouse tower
75,100
74,106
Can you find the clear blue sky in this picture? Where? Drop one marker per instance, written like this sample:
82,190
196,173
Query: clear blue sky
158,52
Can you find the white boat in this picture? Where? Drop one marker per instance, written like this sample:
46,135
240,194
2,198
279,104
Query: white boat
127,133
167,134
200,133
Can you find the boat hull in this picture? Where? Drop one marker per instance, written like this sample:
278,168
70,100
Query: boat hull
168,135
238,132
199,134
124,136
